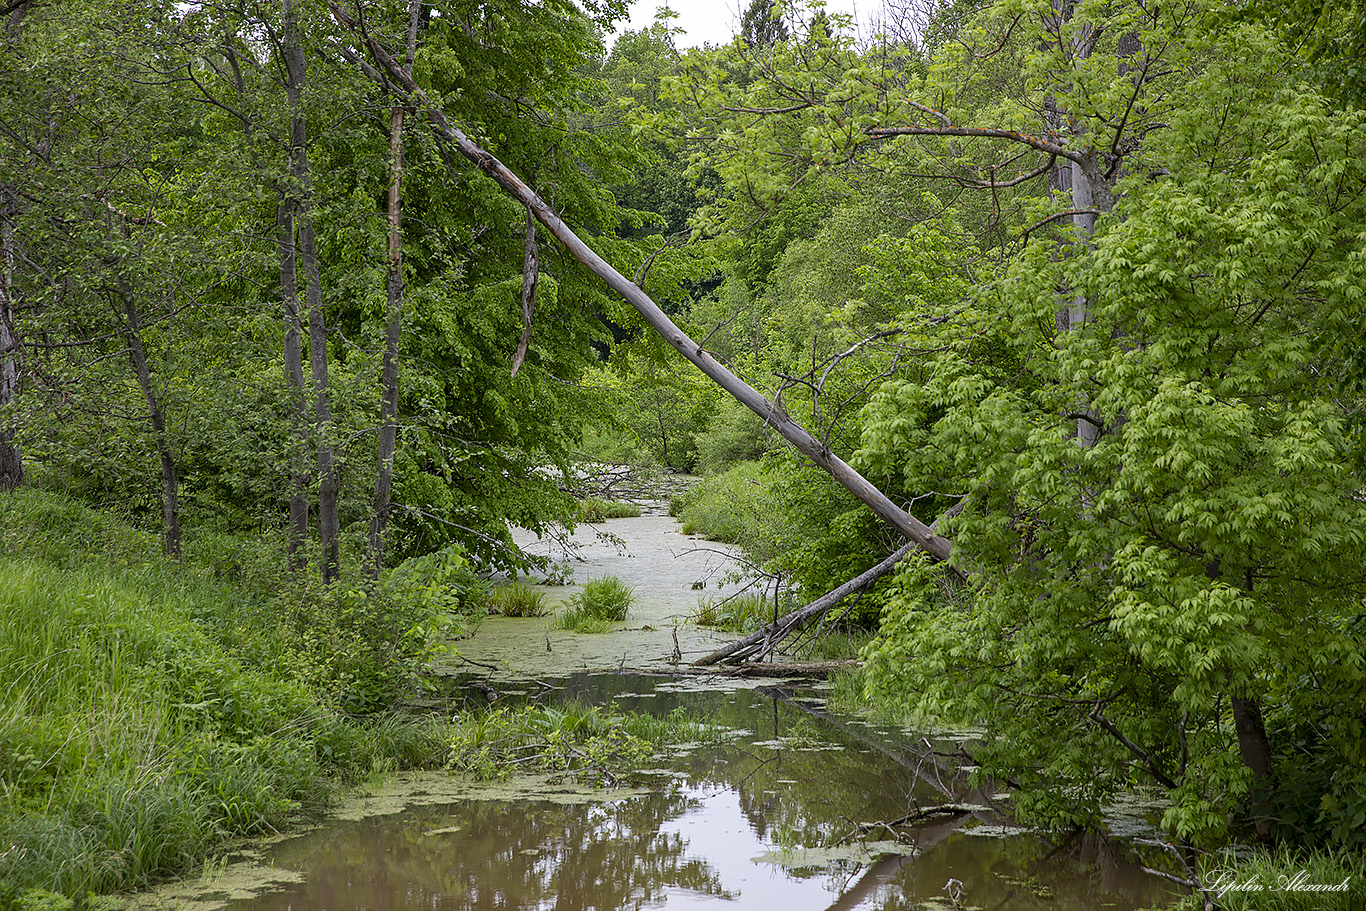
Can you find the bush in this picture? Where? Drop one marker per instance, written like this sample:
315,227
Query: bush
734,434
366,643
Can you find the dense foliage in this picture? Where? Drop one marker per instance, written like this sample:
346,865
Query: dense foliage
1087,282
1081,283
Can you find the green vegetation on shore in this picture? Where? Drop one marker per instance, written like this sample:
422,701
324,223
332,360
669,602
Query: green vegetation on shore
150,710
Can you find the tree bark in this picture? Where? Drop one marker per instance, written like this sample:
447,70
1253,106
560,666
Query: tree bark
132,333
11,457
1253,744
294,379
296,81
769,411
388,429
418,16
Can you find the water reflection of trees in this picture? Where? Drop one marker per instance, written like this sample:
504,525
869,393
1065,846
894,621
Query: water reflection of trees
791,786
482,856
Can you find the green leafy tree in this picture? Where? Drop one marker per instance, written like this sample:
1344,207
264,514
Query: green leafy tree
1178,602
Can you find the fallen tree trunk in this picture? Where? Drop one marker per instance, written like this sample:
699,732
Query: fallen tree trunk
771,412
792,668
766,639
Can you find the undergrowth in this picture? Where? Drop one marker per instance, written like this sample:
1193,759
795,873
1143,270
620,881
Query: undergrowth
151,709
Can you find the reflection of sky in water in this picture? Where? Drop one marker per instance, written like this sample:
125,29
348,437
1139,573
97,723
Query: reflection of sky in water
693,846
719,832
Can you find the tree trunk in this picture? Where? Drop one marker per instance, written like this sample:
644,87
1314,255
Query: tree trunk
132,333
329,531
1252,740
11,458
296,81
294,378
388,430
1255,749
771,412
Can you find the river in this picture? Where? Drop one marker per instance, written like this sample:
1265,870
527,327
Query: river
787,813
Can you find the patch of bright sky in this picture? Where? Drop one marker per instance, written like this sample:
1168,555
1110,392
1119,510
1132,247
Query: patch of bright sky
717,21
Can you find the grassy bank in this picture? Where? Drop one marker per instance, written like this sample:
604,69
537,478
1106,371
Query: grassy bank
151,710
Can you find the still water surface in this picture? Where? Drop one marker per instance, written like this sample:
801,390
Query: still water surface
783,817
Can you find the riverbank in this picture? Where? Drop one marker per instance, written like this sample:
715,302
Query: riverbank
151,711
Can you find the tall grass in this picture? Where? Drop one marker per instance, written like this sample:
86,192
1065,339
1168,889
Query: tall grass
1280,880
600,604
595,510
148,711
516,599
742,613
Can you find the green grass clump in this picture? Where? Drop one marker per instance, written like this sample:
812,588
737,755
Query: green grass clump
607,597
517,599
598,743
595,510
601,603
1284,876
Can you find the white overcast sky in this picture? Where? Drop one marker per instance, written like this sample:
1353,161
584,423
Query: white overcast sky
716,21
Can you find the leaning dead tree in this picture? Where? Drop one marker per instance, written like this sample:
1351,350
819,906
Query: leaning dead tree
760,643
394,76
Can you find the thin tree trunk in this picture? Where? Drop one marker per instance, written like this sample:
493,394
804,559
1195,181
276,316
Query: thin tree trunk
132,333
296,81
418,13
771,413
388,431
294,378
11,457
329,530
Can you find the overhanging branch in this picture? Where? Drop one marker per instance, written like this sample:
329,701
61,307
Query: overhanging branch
771,413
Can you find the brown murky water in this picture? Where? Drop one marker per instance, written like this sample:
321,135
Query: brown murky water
783,817
770,821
